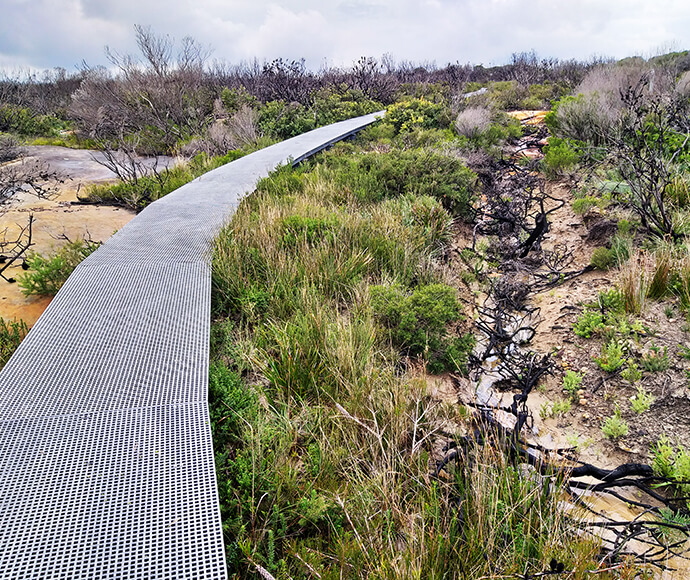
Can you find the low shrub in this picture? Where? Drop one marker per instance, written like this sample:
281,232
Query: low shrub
582,205
572,382
631,373
603,259
582,118
642,401
507,95
282,120
237,98
560,155
332,105
472,122
47,273
418,113
611,358
615,427
24,122
588,323
419,323
656,360
673,462
296,229
372,177
283,181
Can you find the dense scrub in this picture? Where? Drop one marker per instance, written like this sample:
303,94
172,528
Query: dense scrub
332,300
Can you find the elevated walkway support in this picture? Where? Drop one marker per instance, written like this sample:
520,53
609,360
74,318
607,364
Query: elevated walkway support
106,458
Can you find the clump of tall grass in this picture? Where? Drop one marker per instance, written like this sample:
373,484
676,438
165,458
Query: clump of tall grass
633,282
683,279
653,275
661,271
11,334
343,490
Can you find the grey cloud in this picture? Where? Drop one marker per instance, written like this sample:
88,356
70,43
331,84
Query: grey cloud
47,33
360,9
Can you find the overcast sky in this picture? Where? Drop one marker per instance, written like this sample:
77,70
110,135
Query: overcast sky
51,33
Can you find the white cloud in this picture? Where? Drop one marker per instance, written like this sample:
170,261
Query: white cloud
288,34
46,33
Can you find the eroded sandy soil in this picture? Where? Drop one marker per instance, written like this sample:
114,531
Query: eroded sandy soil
60,216
581,427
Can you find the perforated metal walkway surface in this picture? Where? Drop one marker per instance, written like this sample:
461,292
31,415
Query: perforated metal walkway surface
106,460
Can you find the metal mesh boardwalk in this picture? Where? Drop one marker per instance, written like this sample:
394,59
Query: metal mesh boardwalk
106,460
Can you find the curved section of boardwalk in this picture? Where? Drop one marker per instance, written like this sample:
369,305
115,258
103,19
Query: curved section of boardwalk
106,461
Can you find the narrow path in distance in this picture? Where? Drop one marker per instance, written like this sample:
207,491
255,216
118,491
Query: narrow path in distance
106,461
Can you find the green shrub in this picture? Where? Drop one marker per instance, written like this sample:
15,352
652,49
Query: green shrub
588,323
230,404
11,334
642,401
582,205
611,300
373,177
572,382
507,95
672,462
631,373
297,229
234,99
283,181
23,121
283,120
332,105
603,258
419,323
47,274
611,358
656,360
417,113
541,95
559,156
606,258
614,426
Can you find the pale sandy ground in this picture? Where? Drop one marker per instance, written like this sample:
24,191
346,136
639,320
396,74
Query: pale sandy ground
55,217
